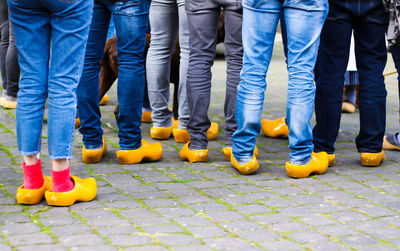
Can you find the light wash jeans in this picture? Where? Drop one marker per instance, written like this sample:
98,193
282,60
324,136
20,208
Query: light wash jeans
304,21
43,26
167,17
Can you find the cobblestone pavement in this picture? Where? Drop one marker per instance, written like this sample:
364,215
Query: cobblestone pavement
175,205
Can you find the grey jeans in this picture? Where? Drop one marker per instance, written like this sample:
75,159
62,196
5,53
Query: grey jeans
167,17
203,26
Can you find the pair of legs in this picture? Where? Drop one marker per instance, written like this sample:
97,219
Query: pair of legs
203,28
369,22
50,69
167,18
259,27
131,21
8,58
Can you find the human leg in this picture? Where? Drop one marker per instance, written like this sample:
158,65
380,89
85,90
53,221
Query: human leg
332,60
88,87
203,32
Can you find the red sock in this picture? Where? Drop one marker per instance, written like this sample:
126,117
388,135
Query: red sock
33,176
61,181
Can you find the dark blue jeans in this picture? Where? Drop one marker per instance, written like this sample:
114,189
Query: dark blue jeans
369,21
51,38
130,19
395,51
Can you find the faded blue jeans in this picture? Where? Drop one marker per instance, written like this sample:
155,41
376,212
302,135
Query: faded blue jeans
130,20
304,21
167,17
43,26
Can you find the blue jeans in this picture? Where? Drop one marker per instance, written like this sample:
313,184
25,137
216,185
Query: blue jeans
260,19
88,88
130,20
369,22
166,19
41,27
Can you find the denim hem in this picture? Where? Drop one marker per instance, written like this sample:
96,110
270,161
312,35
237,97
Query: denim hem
191,147
244,158
300,163
29,153
165,125
60,157
130,148
328,152
364,150
93,147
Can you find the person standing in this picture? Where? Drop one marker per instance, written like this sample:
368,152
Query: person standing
131,21
304,21
369,22
203,28
8,60
51,37
167,18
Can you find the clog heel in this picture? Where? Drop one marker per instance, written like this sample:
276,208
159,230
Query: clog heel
275,128
146,117
318,164
181,135
104,100
372,159
193,155
94,155
33,196
247,168
147,151
227,151
84,190
212,132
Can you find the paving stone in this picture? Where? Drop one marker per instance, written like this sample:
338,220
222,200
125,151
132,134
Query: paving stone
5,247
269,219
30,239
253,209
148,221
178,240
116,229
74,228
163,229
229,244
317,220
192,221
81,239
14,218
307,237
174,212
327,246
281,245
129,240
52,247
192,248
146,248
207,207
359,240
259,235
210,231
94,248
288,227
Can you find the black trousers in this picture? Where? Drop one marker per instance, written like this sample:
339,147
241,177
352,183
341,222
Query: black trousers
8,53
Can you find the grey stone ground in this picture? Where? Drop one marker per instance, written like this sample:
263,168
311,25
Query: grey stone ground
175,205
